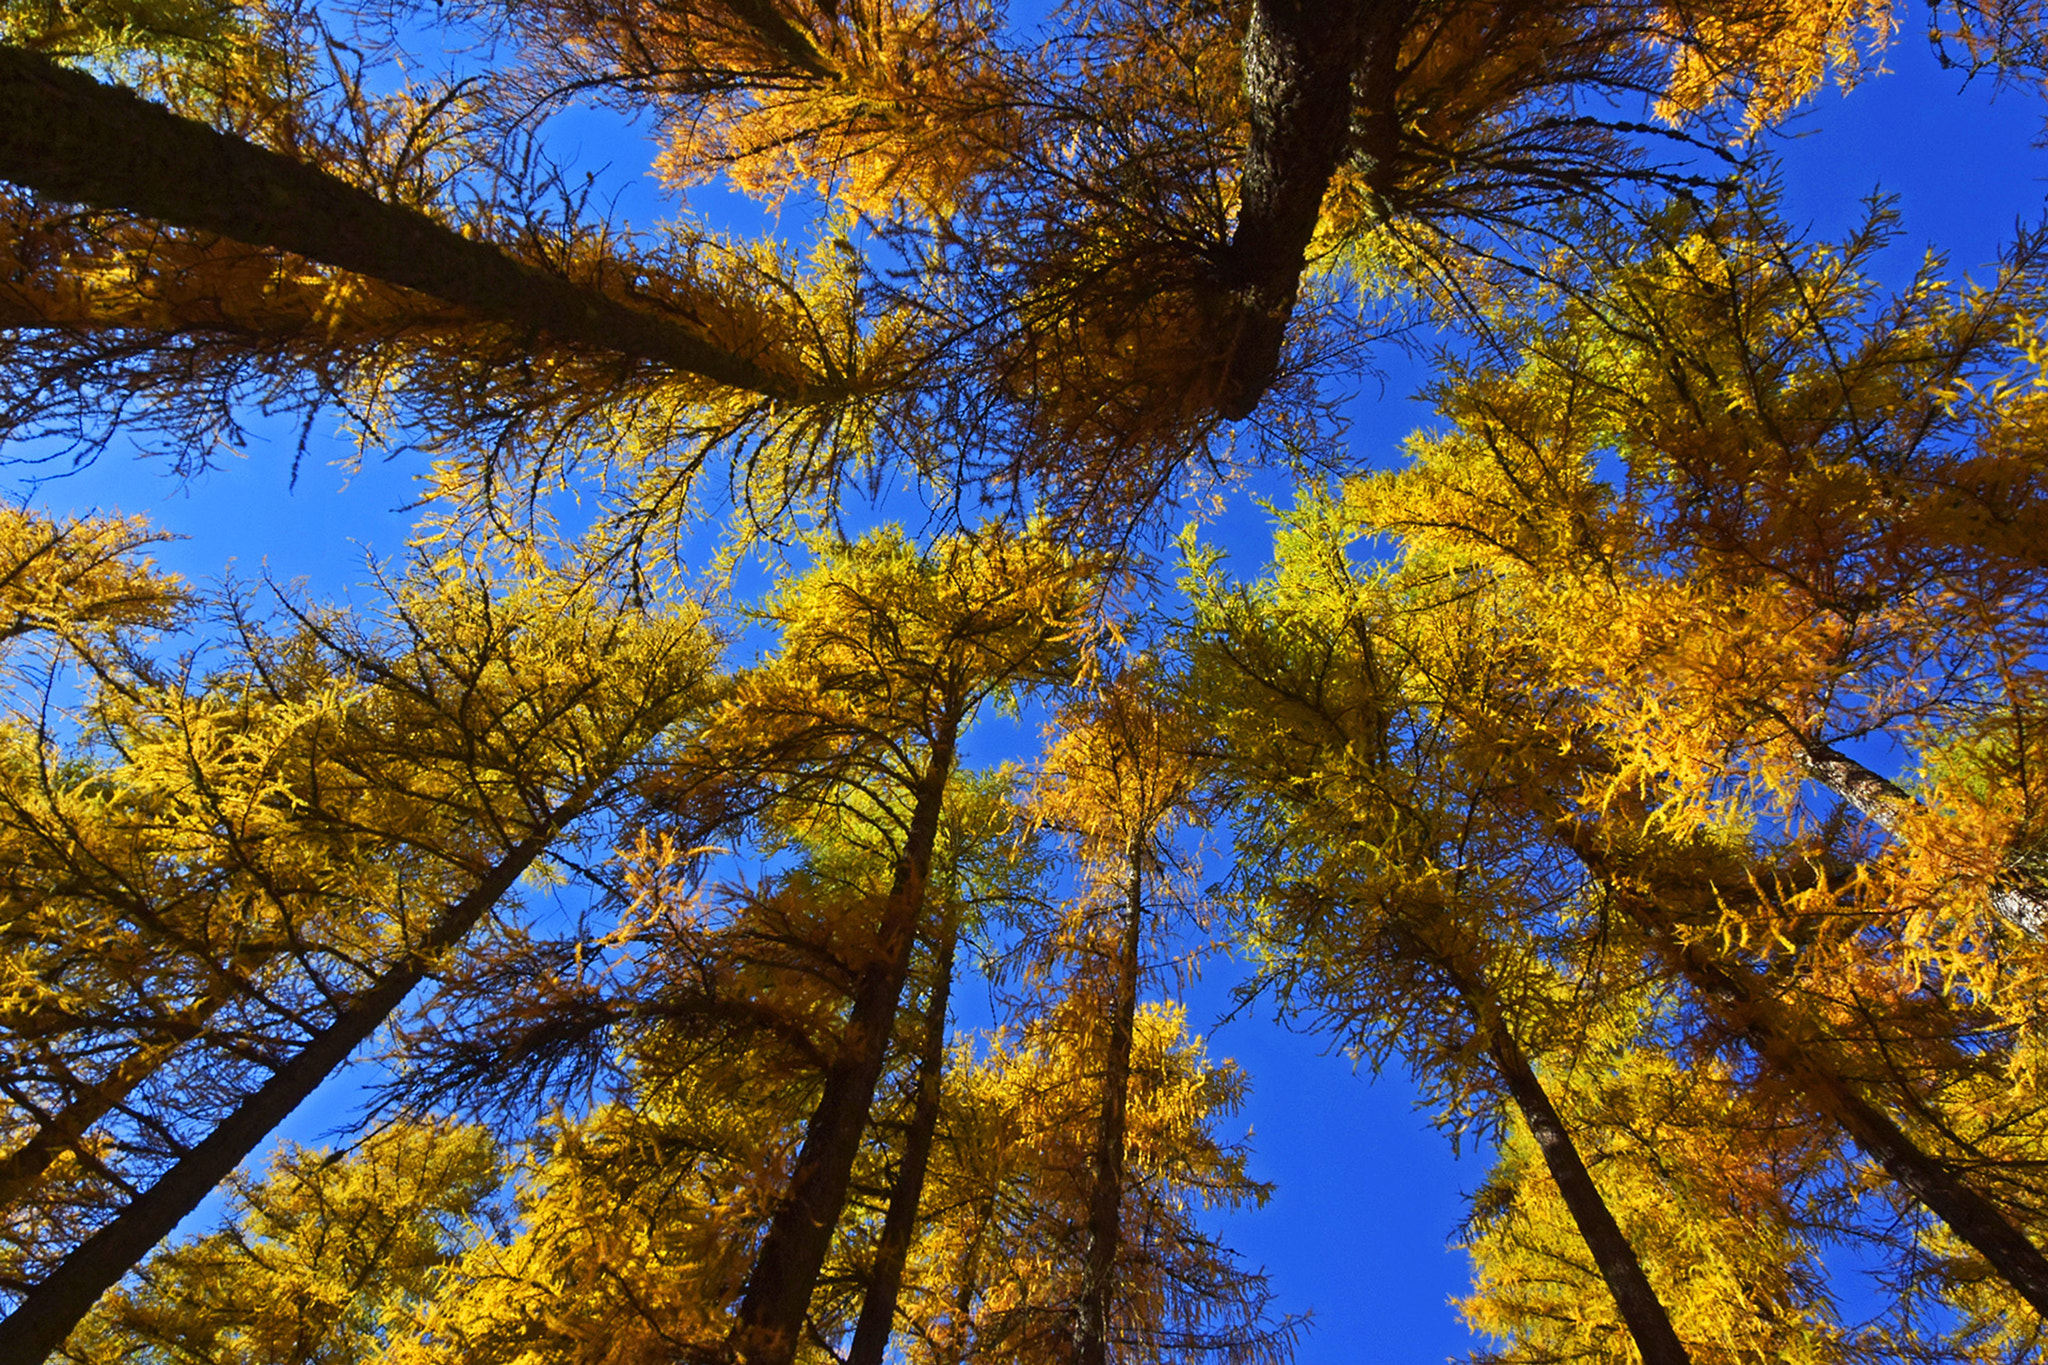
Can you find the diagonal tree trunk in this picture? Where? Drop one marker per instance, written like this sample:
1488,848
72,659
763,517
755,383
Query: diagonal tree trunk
1299,57
2021,898
885,1285
60,1301
1737,1001
770,1321
66,136
1649,1325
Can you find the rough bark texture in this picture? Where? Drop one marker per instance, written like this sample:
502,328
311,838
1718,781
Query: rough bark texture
778,1294
70,138
899,1224
1106,1178
1299,56
1879,799
1649,1326
2020,895
49,1312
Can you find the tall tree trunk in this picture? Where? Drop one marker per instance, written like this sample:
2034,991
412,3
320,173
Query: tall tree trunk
1299,56
1649,1325
892,1252
1106,1176
65,135
1737,1001
778,1294
49,1312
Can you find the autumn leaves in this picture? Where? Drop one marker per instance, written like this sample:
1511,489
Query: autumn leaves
1560,779
1652,762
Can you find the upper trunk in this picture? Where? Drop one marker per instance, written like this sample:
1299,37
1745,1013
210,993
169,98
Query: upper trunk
1106,1179
1299,56
778,1294
60,1301
1734,997
66,136
899,1224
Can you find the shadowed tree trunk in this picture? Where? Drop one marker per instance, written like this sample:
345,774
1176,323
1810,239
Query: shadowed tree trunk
1299,57
899,1224
1738,1002
70,138
778,1294
1735,999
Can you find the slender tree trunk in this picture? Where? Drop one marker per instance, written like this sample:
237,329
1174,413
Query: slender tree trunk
1738,1002
892,1252
66,136
1649,1325
49,1312
1106,1177
770,1321
968,1276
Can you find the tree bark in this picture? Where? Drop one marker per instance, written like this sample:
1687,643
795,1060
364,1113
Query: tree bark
892,1252
56,1305
66,136
1106,1181
1649,1325
769,1324
1299,56
2023,898
1737,1001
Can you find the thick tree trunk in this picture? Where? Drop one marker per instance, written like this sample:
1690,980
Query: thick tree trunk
1106,1177
46,1316
1299,56
1641,1310
66,136
899,1224
778,1293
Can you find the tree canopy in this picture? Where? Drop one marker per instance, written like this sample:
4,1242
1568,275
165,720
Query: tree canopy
811,614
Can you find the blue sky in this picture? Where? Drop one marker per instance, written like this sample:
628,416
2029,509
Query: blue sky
1366,1192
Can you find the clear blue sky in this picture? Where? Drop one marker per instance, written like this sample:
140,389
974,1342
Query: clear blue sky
1366,1192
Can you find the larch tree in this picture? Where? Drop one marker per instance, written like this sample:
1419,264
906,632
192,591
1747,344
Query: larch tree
1591,764
1810,536
887,654
1028,310
1395,899
232,878
1119,777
